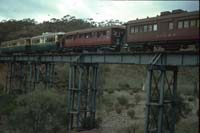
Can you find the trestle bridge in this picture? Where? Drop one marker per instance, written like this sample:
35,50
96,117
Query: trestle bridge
25,70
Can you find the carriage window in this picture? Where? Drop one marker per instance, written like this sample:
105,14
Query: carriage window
136,29
171,26
98,34
186,24
36,41
180,24
81,35
115,33
132,29
104,33
107,32
50,39
197,22
192,23
74,37
93,34
145,28
88,35
150,28
70,37
141,29
155,27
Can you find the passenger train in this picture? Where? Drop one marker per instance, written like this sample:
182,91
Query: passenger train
170,31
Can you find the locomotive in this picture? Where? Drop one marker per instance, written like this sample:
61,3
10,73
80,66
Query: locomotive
170,31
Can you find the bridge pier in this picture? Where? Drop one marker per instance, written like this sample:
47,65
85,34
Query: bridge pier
7,78
81,94
160,115
49,75
36,74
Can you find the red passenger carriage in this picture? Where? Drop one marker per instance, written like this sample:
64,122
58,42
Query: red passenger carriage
176,30
111,37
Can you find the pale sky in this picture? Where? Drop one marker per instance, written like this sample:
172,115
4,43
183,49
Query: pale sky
99,10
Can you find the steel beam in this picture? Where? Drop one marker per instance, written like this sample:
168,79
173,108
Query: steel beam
7,78
12,76
173,59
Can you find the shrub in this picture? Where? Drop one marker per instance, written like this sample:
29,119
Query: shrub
1,87
118,108
183,108
107,101
111,91
190,98
137,98
130,129
90,122
136,90
127,106
131,114
41,111
124,86
122,100
107,69
131,92
7,104
132,105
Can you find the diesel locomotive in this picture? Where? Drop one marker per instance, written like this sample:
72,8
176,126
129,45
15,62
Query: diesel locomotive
170,31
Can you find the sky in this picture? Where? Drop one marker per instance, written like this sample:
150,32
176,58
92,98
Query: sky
99,10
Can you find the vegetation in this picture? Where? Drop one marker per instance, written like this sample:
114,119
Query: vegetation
111,91
183,108
90,123
118,108
41,111
131,113
130,129
137,98
122,100
124,86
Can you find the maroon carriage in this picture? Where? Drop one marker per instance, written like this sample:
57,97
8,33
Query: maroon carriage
176,30
111,37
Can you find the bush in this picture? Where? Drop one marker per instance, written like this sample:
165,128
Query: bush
118,109
183,108
41,111
90,123
124,86
131,92
137,98
7,104
107,101
132,105
122,100
111,91
107,69
130,129
131,113
136,90
190,98
1,87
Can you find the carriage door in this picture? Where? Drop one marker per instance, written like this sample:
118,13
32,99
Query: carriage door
118,36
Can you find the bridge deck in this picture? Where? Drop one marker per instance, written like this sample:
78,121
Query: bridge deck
173,59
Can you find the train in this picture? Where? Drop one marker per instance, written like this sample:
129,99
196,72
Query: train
177,30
